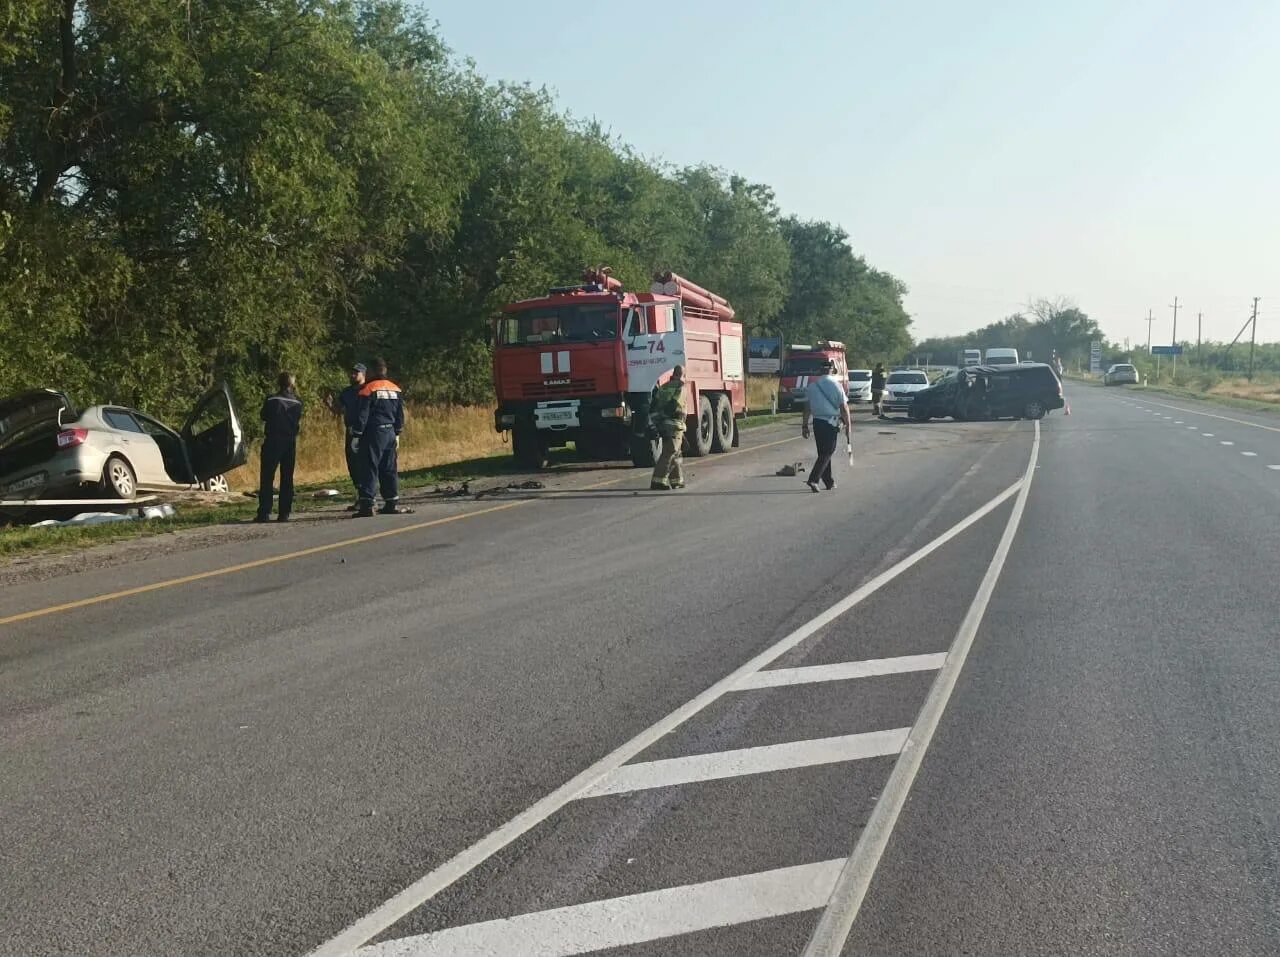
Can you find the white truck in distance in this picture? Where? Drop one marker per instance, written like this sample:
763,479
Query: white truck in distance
1002,357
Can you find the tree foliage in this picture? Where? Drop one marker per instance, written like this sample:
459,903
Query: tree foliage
197,191
1047,326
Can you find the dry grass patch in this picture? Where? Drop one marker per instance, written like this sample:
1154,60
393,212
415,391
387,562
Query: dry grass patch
433,435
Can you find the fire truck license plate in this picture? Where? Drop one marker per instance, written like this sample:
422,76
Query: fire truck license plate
559,415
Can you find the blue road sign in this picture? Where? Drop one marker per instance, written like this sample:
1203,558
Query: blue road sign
1166,350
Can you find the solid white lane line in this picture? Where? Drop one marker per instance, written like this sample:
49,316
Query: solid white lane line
837,919
1224,418
841,672
1249,454
1224,442
462,863
732,764
630,920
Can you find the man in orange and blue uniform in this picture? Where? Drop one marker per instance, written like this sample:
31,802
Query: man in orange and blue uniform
375,436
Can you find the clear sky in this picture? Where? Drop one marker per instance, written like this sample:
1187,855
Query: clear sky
1118,153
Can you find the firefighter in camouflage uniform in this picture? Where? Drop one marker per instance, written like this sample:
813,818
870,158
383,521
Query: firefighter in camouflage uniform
667,417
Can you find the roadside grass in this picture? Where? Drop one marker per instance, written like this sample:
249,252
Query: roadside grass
1245,396
433,436
760,392
16,541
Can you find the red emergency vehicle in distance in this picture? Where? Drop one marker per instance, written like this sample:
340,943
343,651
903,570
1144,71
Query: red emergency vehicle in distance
804,362
578,365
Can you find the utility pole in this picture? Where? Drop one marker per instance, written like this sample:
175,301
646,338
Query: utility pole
1199,320
1174,342
1253,335
1150,319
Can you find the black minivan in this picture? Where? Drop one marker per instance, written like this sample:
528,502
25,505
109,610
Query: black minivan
1025,391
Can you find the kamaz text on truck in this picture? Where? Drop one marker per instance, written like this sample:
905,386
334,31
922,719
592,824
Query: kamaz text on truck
802,364
579,364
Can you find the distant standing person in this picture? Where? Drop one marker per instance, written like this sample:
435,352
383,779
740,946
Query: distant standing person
827,405
877,389
282,418
667,414
375,437
347,405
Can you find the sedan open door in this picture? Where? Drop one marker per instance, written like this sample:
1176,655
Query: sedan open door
213,436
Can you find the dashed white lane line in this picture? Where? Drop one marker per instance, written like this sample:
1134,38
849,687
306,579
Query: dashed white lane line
1274,468
1251,455
1207,435
1224,418
743,761
841,672
1177,422
467,860
634,919
1193,427
1225,442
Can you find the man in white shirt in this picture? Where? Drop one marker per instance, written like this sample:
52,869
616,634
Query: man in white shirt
828,407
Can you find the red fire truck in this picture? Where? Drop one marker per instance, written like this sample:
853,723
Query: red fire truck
578,365
804,362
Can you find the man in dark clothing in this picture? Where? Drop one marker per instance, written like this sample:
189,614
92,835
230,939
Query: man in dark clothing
282,416
877,389
375,438
347,405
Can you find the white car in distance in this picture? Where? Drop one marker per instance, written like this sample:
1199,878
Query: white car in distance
860,386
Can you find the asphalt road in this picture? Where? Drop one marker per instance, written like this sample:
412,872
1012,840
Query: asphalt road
260,744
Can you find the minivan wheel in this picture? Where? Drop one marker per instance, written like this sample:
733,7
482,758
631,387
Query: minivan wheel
118,480
1033,410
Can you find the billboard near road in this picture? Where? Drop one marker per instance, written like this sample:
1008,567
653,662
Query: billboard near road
764,356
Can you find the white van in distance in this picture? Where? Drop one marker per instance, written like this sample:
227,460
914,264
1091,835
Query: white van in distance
1002,357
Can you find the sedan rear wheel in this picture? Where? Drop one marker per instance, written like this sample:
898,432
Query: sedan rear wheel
118,480
218,483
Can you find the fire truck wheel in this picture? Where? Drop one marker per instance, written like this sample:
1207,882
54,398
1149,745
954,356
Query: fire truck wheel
528,448
697,440
722,413
644,452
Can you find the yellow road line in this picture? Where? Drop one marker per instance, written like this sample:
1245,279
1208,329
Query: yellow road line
245,566
317,549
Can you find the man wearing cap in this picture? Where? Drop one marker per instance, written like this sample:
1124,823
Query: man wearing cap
347,405
828,407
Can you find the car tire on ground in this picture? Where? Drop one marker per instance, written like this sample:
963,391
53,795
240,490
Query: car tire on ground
528,448
1033,410
722,413
118,479
918,416
644,451
698,440
218,483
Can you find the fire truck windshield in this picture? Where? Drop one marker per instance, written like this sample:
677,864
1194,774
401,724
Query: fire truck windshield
585,323
806,365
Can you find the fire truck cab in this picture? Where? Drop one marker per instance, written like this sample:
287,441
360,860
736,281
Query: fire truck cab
802,363
579,364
